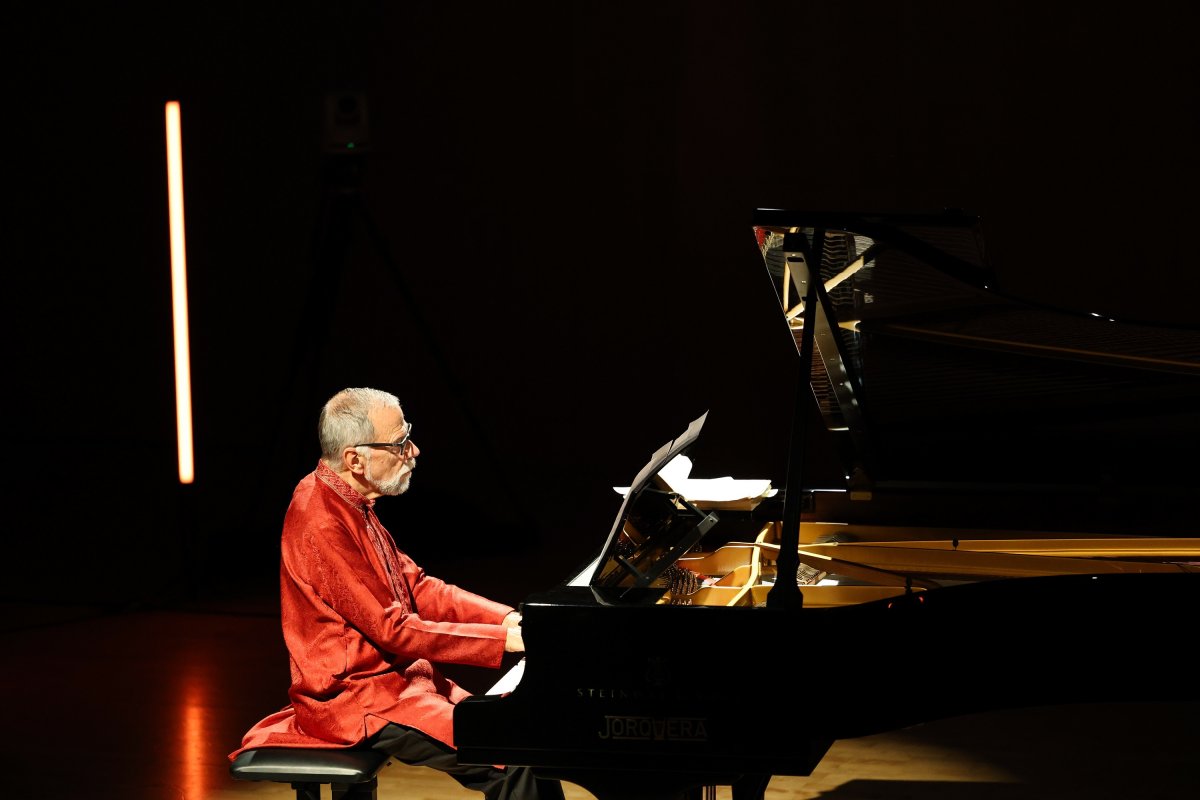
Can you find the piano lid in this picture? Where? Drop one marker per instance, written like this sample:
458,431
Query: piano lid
926,376
653,528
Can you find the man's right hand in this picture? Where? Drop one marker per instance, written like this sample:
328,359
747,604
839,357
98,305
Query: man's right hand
513,643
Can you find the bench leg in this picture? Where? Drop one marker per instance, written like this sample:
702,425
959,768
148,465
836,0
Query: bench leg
307,791
356,791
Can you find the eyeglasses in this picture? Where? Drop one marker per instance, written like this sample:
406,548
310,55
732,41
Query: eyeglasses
400,445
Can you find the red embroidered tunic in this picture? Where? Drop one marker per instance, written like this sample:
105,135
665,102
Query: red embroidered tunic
365,626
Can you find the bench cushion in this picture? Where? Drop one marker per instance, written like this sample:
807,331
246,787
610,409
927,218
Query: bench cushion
307,765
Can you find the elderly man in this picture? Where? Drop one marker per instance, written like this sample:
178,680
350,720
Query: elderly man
365,627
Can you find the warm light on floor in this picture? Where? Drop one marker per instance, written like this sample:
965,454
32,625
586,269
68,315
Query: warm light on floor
179,305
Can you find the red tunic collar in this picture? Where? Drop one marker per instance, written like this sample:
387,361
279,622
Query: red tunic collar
343,489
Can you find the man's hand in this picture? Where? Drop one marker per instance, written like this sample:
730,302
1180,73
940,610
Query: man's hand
513,620
513,643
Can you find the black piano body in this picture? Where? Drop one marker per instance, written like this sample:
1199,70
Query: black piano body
1013,529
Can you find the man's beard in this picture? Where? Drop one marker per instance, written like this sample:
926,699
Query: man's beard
395,486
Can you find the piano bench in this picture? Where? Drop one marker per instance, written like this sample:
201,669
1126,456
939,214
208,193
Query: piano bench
350,773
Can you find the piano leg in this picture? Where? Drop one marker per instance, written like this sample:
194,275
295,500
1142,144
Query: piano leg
750,787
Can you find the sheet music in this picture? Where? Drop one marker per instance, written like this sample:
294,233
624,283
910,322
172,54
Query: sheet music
676,475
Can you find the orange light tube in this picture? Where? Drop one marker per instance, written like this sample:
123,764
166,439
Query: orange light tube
179,303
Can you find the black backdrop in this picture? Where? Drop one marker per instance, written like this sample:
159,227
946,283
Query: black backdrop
543,246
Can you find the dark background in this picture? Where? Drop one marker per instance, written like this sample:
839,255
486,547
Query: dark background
542,244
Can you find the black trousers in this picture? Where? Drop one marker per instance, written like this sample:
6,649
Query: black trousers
419,750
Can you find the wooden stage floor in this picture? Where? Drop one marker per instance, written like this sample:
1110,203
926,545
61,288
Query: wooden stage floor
146,704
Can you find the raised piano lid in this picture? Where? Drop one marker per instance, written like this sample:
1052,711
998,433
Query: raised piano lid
928,379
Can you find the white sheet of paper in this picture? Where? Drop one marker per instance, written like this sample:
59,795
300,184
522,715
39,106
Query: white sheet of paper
675,473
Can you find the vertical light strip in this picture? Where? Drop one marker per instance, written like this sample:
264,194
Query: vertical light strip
179,304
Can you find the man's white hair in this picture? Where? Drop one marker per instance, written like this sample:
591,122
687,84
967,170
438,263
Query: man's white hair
345,420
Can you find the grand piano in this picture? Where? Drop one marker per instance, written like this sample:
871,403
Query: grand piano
1010,523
